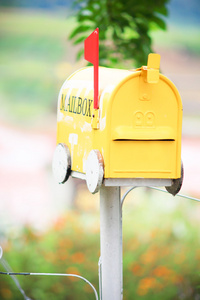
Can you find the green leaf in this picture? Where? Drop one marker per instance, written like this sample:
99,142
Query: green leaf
162,10
80,54
124,28
159,22
80,39
78,30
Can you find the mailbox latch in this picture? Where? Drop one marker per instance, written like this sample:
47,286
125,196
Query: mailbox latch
150,72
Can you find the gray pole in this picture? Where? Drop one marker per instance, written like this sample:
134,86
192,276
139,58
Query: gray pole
111,244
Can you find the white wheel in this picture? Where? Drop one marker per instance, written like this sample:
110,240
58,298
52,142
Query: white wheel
94,171
61,164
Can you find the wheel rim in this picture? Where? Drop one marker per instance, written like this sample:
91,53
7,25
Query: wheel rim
61,164
94,171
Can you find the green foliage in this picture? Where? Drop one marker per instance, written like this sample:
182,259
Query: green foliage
32,63
161,252
68,247
36,58
124,28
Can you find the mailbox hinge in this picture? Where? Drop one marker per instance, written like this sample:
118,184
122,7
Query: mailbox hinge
95,119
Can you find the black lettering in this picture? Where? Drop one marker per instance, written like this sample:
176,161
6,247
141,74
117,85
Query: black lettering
84,107
62,104
89,105
78,110
74,105
69,104
66,102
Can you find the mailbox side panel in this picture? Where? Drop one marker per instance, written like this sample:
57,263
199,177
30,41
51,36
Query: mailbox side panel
74,115
74,120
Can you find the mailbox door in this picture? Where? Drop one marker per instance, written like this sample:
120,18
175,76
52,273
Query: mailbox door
145,129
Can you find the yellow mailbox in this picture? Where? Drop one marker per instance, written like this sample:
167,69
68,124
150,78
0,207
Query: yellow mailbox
134,134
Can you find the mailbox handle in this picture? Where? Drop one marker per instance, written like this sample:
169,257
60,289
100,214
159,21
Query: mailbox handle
91,54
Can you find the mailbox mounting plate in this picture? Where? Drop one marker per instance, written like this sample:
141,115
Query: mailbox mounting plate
129,181
137,182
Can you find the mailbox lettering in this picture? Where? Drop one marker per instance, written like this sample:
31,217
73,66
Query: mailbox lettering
69,104
78,111
89,107
76,105
62,104
84,107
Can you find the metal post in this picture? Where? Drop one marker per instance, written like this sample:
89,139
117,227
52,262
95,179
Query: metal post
111,243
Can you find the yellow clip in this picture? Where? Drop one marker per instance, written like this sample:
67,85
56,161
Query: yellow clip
151,72
153,66
95,119
153,61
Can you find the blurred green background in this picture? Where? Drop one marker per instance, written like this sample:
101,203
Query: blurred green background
45,227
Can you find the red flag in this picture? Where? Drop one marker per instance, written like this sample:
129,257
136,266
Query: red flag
91,54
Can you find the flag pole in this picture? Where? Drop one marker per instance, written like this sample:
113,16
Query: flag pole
91,54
